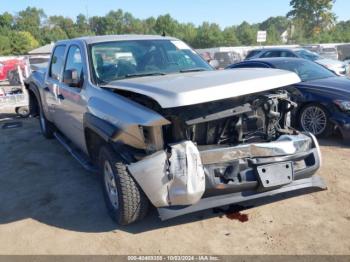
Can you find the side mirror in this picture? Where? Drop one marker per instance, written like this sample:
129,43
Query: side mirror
71,78
214,63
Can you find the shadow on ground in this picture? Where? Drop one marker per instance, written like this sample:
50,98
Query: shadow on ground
39,180
334,141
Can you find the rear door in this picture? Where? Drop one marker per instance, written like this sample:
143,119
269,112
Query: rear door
53,78
71,103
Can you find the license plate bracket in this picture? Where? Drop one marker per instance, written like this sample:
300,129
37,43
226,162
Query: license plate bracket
278,174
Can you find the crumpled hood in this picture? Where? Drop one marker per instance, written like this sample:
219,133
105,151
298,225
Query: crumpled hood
175,90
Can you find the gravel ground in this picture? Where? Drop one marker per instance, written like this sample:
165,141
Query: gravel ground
50,205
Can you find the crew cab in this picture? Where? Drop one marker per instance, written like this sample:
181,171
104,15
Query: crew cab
162,128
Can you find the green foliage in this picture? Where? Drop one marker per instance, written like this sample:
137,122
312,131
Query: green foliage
230,37
246,34
315,16
30,20
22,42
166,24
309,21
6,20
5,45
208,35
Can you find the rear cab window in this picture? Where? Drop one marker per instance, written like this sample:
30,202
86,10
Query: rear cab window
57,61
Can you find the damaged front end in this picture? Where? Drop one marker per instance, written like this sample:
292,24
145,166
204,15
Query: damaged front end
226,152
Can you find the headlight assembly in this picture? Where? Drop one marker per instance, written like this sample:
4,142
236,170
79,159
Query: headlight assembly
343,105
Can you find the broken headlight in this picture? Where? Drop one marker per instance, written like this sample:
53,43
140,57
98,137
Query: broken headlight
343,105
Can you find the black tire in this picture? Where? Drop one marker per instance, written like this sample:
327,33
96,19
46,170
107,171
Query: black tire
304,119
23,111
129,203
46,127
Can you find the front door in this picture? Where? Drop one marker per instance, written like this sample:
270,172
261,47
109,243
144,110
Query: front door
71,104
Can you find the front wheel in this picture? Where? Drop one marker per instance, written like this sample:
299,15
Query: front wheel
124,199
314,118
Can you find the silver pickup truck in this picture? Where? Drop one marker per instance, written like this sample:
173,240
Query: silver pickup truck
162,127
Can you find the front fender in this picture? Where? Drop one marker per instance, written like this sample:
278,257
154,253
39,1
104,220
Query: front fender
121,121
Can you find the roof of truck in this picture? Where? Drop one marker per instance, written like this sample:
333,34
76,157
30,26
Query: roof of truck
110,38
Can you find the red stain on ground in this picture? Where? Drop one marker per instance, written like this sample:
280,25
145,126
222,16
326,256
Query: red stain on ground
233,213
237,216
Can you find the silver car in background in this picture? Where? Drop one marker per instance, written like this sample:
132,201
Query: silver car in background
338,67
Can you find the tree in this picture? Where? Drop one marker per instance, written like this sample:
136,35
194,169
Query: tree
166,24
30,21
6,20
5,45
82,26
230,36
65,24
52,34
246,34
274,26
22,42
208,35
187,32
313,16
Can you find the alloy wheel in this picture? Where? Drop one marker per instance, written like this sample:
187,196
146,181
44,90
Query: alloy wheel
110,184
314,120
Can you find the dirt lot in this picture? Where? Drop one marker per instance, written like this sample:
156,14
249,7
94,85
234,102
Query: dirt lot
50,205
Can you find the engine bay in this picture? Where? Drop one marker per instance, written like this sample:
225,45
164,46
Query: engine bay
258,118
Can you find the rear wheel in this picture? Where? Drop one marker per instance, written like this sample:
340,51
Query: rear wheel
23,111
124,199
314,118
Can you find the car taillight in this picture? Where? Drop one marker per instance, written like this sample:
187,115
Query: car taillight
1,68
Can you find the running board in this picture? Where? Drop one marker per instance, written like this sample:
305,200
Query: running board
314,182
76,153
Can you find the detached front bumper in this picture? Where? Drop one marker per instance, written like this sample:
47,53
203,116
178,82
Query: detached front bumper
189,179
314,182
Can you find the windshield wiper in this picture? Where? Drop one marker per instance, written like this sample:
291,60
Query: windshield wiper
145,74
196,69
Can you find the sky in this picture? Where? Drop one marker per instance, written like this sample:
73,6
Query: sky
223,12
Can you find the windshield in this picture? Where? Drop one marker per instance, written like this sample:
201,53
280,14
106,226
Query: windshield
306,54
252,53
306,70
123,59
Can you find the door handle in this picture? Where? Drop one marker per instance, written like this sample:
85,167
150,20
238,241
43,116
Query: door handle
60,97
46,89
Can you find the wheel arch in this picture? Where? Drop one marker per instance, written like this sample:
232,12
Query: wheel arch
34,98
99,132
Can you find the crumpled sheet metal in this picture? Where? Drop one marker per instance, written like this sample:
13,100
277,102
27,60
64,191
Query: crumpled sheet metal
178,180
285,145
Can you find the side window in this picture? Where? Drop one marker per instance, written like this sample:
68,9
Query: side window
272,54
57,62
74,62
287,54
